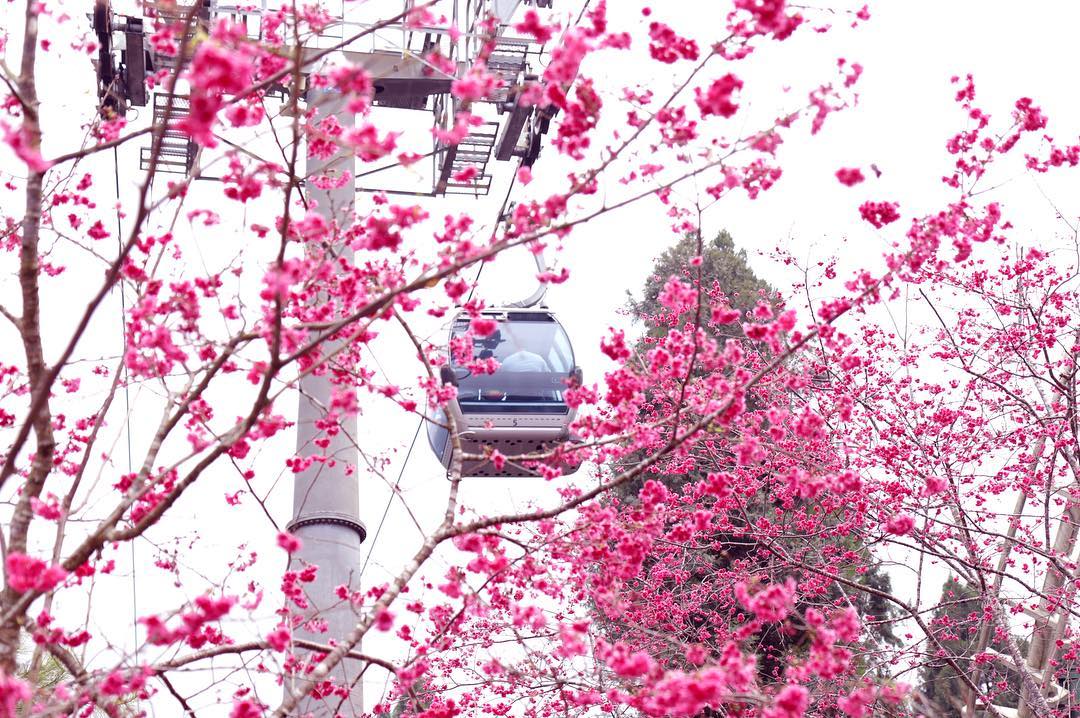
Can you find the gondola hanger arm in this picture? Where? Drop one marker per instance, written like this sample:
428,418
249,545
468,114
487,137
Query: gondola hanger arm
541,291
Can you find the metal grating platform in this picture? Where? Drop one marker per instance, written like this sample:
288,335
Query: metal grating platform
473,151
507,60
176,153
174,12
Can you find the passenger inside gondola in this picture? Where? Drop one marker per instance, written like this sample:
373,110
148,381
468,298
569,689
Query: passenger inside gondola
516,402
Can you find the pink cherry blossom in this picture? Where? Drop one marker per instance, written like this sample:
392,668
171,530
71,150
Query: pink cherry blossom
879,214
279,639
849,176
18,139
26,573
716,100
289,542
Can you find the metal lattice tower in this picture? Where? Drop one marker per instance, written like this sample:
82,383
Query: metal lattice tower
408,64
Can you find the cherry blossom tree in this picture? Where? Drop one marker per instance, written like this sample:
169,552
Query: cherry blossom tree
803,426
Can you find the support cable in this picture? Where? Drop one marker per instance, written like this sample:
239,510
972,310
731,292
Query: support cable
499,218
389,501
127,403
420,423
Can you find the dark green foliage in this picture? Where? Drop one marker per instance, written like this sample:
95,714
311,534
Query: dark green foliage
723,270
51,674
414,701
956,624
724,275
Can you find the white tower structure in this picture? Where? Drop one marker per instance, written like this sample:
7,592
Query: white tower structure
326,496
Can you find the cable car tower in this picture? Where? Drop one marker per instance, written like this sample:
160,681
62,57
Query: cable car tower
401,61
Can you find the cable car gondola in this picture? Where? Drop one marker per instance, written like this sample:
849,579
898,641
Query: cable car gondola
519,409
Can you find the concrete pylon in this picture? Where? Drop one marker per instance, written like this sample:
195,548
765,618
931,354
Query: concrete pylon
326,497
